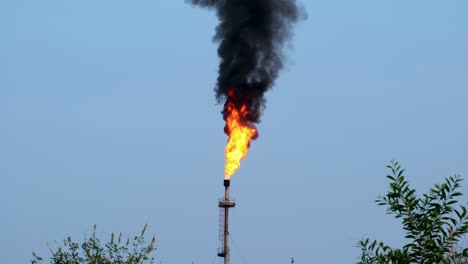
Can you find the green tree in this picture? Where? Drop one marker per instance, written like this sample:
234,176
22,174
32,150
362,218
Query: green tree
92,251
433,223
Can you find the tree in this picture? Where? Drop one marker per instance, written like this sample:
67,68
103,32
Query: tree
92,251
433,223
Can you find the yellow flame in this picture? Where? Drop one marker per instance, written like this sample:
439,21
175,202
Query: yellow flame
240,135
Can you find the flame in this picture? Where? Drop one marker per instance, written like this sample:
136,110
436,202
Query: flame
240,134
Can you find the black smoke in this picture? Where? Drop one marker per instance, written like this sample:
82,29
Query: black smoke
251,35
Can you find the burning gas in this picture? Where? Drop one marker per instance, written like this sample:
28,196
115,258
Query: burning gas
240,133
251,34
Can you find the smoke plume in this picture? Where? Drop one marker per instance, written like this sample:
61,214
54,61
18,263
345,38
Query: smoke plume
251,34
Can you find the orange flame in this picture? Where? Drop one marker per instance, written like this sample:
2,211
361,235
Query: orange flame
240,134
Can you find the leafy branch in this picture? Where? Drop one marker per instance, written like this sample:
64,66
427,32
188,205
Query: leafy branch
433,222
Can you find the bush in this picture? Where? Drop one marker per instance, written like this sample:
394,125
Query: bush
92,251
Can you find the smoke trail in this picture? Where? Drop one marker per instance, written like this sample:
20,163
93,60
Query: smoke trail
251,34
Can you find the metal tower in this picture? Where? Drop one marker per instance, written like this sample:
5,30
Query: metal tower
224,205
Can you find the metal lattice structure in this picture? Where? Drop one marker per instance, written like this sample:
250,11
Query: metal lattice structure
224,204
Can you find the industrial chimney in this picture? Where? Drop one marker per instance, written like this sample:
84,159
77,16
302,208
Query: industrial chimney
224,205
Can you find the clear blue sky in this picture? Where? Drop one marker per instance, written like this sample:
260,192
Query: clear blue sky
108,117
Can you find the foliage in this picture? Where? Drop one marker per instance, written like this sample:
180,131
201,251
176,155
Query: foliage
92,251
433,223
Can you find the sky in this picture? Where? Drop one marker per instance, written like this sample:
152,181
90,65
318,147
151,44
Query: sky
108,117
